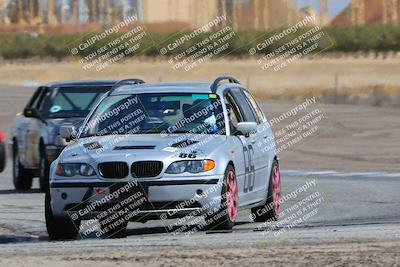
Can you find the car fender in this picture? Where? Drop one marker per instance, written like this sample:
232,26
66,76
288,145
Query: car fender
230,152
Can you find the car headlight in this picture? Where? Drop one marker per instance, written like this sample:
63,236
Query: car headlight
73,169
192,166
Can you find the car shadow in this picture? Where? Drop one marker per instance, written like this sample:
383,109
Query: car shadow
20,238
175,230
13,191
141,231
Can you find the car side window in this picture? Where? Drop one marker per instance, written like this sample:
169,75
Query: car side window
35,98
42,99
249,114
234,114
260,114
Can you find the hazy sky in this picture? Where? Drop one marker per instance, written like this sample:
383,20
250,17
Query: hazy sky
335,6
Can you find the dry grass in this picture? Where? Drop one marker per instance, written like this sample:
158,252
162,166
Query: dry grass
362,76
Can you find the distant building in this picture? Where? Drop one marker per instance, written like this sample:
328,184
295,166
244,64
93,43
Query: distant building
155,15
241,14
177,14
369,12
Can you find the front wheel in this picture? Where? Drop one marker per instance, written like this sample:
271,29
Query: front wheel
44,171
22,178
271,209
225,218
59,228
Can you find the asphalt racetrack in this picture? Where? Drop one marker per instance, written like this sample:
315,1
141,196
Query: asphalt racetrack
355,213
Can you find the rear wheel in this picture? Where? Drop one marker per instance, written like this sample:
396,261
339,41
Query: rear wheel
225,218
272,207
2,157
59,228
22,178
44,171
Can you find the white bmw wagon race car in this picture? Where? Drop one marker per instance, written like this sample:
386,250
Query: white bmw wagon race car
165,151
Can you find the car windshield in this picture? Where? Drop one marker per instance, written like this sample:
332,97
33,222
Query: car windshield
67,102
156,113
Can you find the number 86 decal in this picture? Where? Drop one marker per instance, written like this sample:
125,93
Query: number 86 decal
250,174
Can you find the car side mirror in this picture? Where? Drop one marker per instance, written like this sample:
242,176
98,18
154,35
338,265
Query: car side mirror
68,132
246,128
32,113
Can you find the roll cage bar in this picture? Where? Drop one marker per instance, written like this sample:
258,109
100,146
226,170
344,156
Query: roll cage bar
125,81
214,86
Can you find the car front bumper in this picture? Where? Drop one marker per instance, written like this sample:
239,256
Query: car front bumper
161,198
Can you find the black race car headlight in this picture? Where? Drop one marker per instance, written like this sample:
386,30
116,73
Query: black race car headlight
191,166
74,169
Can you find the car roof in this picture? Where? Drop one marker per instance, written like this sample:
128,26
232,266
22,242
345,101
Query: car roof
80,83
179,87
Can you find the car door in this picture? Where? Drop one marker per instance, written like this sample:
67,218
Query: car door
251,184
20,127
34,127
263,136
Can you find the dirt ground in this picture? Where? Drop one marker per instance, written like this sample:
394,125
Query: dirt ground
336,254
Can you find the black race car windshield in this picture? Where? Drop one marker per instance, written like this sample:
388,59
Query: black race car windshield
67,102
164,113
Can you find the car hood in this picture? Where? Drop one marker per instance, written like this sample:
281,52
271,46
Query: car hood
146,146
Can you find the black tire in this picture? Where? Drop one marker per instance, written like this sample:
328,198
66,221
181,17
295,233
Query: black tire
2,157
221,220
59,228
43,171
22,178
267,212
113,232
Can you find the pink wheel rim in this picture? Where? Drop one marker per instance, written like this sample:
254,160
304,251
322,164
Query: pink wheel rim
231,196
276,187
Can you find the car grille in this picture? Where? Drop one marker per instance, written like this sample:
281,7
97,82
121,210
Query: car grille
113,170
146,169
